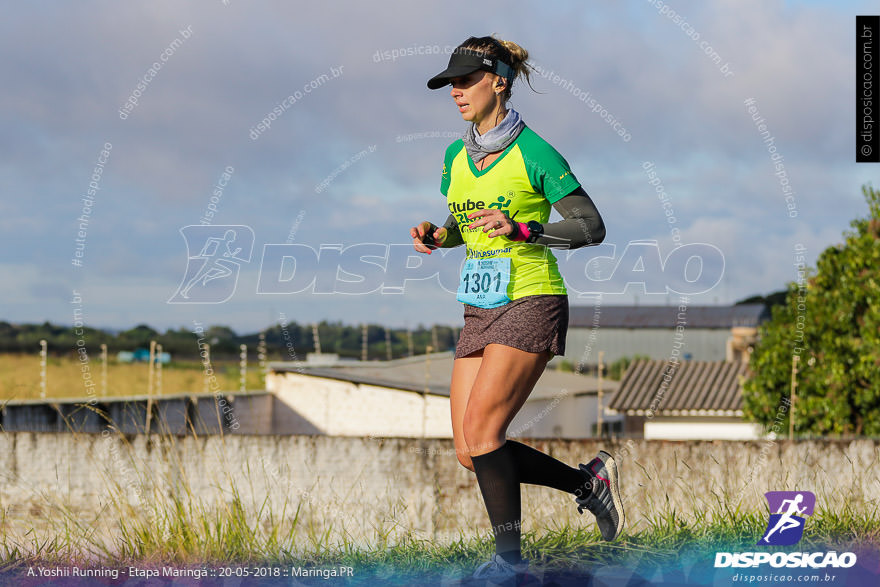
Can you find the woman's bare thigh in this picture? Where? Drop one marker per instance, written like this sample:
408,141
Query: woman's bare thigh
503,382
464,372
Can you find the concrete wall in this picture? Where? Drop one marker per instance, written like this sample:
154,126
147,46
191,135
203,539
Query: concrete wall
343,408
251,413
707,428
360,488
298,404
564,416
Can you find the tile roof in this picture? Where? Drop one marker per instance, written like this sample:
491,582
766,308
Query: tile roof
711,387
667,316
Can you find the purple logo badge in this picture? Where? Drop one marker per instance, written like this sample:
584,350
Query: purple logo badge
787,515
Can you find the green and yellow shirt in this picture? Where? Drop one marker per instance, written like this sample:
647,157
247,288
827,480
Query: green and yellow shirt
528,177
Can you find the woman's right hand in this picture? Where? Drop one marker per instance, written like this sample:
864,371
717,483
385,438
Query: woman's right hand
418,235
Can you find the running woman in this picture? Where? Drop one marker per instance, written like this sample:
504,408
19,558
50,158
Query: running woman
500,181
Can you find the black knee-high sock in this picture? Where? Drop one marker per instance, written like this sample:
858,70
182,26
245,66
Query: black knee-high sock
497,476
537,468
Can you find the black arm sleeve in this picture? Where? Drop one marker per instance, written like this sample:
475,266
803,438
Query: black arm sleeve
581,224
453,234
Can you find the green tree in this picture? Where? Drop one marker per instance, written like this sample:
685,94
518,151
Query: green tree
831,320
619,367
139,336
774,299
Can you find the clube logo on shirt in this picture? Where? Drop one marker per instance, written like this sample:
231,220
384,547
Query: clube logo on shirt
462,209
788,514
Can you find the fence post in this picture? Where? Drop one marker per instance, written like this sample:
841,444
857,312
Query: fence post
44,353
206,366
261,355
150,387
794,362
103,370
599,408
242,365
158,369
364,348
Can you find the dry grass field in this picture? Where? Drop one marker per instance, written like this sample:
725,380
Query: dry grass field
20,377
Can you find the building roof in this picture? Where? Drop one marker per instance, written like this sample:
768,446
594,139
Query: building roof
693,387
433,373
667,316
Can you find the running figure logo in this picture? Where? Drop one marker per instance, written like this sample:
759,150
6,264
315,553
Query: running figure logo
786,526
212,274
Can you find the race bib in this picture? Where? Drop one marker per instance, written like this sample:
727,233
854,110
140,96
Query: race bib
484,282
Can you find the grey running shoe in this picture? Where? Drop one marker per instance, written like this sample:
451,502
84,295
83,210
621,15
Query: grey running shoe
603,498
500,572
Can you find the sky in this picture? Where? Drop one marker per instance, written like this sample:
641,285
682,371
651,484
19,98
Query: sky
106,158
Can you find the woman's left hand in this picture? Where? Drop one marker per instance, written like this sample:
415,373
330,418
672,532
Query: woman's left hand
493,220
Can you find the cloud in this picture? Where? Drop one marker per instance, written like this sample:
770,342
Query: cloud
241,63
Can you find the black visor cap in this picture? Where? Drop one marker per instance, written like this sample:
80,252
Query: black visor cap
463,62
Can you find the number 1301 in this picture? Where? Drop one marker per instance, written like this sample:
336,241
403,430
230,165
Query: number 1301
481,282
